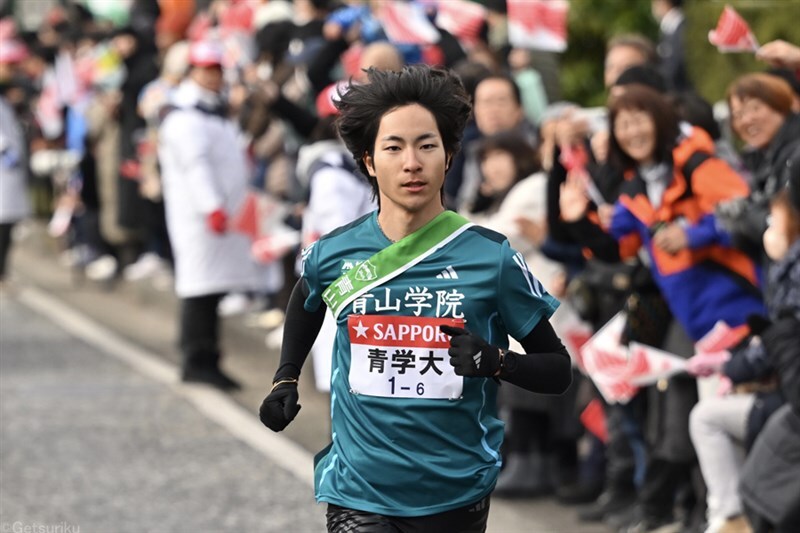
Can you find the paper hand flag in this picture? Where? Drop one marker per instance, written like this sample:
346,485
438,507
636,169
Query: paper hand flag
538,24
406,23
732,34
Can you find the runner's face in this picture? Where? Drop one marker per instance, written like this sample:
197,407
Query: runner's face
409,161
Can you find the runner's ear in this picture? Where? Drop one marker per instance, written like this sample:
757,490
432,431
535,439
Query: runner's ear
367,159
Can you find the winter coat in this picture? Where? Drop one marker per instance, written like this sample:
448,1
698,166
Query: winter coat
104,139
779,345
746,219
770,479
142,67
204,169
338,192
709,280
14,204
527,198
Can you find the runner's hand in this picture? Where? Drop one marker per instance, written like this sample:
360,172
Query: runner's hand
280,407
470,355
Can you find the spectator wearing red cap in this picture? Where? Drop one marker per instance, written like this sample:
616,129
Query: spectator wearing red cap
205,178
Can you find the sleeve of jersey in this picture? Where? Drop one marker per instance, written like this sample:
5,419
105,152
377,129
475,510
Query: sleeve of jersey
522,299
309,271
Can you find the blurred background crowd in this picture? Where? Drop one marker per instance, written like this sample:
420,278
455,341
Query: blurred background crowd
190,144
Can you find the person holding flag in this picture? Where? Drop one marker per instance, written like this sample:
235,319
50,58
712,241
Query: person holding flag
780,54
424,302
665,210
763,118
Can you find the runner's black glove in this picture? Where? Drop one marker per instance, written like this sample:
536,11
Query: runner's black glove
280,406
470,355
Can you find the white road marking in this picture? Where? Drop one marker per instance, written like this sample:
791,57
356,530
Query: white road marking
213,404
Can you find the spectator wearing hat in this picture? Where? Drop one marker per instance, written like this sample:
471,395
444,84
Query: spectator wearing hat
205,177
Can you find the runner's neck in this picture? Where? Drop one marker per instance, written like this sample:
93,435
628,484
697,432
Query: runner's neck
400,224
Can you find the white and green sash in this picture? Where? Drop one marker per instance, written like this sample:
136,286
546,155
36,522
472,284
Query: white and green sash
394,260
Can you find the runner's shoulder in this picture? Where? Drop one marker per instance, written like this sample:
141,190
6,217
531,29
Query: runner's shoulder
344,229
486,234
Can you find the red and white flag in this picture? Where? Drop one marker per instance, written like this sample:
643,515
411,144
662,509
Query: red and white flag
648,364
593,418
462,18
248,219
619,371
732,33
721,337
538,24
406,23
260,217
605,361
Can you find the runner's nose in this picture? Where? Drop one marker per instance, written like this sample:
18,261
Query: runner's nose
411,162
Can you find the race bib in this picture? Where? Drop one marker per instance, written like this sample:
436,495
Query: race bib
402,357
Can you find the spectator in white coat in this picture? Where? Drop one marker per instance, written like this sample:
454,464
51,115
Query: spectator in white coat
14,205
205,176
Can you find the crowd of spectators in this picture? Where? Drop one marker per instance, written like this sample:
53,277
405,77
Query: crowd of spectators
194,147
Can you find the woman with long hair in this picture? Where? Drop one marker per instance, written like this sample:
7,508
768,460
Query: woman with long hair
666,210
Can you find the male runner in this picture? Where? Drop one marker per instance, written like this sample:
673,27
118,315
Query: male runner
424,302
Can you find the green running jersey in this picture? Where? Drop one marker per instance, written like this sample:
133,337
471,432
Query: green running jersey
409,437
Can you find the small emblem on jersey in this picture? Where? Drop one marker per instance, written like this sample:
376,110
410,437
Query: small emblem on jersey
350,264
366,272
447,273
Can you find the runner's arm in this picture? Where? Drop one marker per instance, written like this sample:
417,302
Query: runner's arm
545,368
300,330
